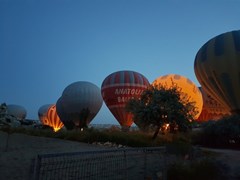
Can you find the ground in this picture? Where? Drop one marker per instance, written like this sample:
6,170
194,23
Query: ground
17,155
16,158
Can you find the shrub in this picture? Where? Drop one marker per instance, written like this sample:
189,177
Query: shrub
206,169
224,133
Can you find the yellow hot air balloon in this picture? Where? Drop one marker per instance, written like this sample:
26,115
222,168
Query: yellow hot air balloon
186,86
217,68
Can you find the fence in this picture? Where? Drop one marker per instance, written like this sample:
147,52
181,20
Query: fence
129,163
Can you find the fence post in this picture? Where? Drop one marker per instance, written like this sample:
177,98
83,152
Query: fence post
126,164
165,166
37,168
145,163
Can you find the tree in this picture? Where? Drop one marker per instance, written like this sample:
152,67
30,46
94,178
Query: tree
159,107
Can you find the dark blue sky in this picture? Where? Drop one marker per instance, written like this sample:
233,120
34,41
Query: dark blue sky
46,45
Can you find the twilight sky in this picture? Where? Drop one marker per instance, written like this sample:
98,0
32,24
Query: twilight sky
46,45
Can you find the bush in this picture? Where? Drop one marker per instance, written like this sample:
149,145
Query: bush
206,169
131,139
224,133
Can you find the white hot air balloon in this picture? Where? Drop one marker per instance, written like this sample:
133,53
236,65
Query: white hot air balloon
42,113
79,104
17,111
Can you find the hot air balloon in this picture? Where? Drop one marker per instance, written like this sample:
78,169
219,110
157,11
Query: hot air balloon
53,119
212,110
217,68
48,116
117,88
17,111
187,87
79,104
42,113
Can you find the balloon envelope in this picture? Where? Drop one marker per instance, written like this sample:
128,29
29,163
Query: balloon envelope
79,104
117,88
186,86
217,68
53,119
17,111
42,113
212,110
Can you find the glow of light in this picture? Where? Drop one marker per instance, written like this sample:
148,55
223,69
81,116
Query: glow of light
166,126
53,119
55,129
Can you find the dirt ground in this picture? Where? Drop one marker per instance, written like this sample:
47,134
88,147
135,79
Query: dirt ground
17,157
231,158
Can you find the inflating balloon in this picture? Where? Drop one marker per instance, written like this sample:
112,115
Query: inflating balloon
53,119
217,68
117,88
42,113
49,117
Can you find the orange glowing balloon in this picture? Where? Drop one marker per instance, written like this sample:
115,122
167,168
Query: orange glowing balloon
186,86
48,116
53,119
212,110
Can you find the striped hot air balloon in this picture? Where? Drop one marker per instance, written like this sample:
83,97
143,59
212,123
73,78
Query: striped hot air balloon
217,68
53,119
117,88
42,113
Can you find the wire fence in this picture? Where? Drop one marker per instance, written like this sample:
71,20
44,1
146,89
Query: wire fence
126,163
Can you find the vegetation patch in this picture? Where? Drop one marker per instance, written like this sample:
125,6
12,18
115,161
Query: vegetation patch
224,133
205,168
